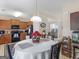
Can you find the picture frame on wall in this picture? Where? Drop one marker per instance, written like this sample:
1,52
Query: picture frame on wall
43,25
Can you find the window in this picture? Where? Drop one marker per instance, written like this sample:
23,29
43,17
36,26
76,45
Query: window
54,30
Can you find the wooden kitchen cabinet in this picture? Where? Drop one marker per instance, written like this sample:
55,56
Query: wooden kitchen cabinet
7,38
15,22
5,25
4,39
23,25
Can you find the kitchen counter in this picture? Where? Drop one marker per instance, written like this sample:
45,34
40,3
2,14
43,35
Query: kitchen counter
28,49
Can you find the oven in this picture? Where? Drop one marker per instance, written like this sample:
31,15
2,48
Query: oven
15,33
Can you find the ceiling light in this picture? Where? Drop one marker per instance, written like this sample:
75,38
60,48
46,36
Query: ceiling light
36,18
18,14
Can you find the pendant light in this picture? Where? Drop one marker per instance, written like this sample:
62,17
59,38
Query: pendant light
36,18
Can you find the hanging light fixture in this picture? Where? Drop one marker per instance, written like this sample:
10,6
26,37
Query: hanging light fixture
36,18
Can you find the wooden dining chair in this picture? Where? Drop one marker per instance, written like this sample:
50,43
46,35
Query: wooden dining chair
66,47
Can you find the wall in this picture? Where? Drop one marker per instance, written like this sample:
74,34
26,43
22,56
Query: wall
70,8
63,18
49,20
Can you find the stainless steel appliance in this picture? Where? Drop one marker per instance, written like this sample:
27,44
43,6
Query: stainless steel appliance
15,33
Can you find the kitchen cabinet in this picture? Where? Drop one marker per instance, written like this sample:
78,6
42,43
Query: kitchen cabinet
4,39
6,25
7,38
23,25
15,22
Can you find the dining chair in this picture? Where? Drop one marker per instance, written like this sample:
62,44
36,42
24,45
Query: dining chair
66,47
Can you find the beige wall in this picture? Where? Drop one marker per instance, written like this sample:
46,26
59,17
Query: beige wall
64,18
70,8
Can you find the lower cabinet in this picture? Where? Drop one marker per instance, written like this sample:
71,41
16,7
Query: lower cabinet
55,51
2,41
5,39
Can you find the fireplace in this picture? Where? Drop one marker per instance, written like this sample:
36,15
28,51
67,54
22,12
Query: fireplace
15,33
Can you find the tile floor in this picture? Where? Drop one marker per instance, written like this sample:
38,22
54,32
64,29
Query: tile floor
5,53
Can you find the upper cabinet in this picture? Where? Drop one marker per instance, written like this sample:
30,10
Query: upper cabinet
23,25
6,24
15,22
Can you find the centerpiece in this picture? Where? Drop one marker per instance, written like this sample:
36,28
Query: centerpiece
36,37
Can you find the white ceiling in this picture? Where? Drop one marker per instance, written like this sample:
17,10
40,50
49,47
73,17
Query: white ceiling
48,7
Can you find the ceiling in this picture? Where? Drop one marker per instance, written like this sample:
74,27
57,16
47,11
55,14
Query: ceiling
47,7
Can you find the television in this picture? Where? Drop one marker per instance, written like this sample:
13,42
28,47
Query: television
75,36
74,21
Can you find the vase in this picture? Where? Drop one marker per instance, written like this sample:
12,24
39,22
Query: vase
36,40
